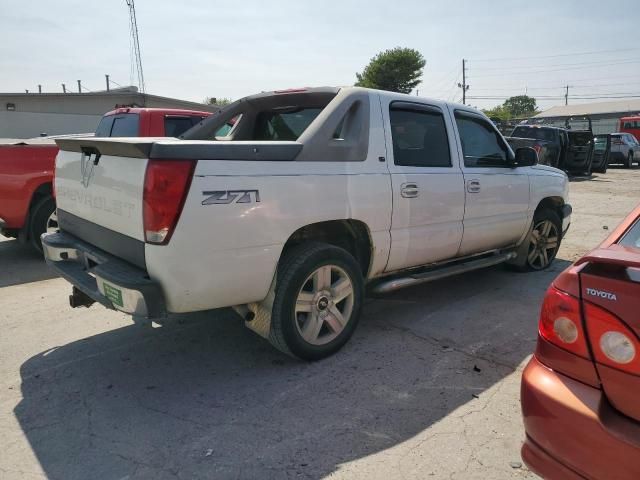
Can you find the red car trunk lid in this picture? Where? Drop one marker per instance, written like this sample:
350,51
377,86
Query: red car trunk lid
610,282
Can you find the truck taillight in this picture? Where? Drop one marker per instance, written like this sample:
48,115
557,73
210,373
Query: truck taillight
166,184
613,343
561,324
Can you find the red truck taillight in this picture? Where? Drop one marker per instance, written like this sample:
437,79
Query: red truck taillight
166,184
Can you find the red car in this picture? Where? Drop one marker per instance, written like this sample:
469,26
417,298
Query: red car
27,206
580,392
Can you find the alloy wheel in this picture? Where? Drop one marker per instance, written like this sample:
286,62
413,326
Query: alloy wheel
545,240
324,305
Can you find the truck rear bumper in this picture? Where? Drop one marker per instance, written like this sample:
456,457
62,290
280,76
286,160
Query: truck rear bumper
104,278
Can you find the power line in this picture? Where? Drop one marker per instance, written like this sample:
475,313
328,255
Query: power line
594,52
597,63
526,72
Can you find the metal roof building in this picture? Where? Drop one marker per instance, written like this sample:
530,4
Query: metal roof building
604,115
26,115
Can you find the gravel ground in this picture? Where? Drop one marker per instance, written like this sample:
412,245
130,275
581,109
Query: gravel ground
427,388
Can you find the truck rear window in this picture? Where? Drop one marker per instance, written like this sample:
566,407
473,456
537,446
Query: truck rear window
284,124
122,125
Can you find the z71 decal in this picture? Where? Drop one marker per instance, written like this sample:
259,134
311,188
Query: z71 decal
224,197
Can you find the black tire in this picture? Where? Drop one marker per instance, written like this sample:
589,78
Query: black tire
524,261
39,219
629,162
294,274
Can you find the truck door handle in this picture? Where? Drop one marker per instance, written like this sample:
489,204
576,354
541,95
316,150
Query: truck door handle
409,190
473,186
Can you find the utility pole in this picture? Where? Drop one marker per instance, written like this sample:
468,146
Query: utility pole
464,85
79,87
566,95
64,88
39,88
106,76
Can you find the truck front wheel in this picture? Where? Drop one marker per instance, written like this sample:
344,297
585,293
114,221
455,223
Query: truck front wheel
541,246
43,219
317,302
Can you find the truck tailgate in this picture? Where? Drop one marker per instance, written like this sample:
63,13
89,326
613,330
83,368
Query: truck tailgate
102,182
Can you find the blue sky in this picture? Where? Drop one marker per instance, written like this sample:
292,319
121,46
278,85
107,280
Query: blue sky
196,48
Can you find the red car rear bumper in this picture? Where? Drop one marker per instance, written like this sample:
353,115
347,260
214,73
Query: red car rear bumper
573,432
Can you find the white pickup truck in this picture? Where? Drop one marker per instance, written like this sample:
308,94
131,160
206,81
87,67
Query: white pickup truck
285,205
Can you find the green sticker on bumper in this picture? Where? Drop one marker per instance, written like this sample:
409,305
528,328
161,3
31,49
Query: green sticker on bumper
112,293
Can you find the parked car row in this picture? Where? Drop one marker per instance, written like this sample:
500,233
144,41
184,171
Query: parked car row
577,152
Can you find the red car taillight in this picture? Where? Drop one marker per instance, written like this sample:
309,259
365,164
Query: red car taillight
561,324
537,148
166,184
613,343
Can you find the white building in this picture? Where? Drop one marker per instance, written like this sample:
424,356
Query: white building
27,115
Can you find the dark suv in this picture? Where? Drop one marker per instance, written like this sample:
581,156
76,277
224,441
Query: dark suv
569,150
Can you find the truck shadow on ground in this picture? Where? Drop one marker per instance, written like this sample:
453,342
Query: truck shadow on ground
202,397
20,263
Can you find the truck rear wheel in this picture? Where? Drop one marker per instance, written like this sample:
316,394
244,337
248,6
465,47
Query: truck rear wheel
43,219
317,302
629,162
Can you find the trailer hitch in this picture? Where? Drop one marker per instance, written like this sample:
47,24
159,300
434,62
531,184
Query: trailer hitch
80,299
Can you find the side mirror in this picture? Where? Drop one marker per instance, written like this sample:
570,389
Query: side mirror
526,157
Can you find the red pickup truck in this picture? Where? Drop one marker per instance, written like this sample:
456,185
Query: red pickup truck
27,205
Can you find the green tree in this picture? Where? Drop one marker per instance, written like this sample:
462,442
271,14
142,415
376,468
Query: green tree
221,102
499,112
396,70
520,105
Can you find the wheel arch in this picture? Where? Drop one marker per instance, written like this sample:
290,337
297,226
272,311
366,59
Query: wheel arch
352,235
554,203
43,190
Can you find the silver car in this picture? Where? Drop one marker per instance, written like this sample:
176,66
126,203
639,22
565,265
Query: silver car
625,149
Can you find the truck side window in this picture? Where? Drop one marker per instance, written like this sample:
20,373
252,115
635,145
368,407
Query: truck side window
481,145
419,138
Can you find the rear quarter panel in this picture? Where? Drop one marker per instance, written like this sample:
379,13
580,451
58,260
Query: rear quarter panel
23,168
226,254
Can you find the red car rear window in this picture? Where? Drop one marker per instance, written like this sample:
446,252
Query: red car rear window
632,237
